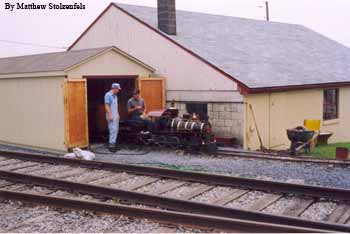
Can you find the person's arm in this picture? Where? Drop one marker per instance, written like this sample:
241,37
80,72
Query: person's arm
109,112
144,107
130,107
108,108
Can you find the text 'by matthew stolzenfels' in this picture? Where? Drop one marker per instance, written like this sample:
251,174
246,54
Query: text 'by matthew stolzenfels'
49,6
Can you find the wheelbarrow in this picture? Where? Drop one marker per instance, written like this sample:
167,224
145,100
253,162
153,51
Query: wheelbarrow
300,139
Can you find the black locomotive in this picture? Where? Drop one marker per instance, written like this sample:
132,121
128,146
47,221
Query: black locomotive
171,131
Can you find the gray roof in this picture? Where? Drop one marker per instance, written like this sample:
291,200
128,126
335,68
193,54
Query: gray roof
258,53
49,62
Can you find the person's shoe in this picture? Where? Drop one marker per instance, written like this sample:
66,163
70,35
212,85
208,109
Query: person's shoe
112,148
116,148
145,132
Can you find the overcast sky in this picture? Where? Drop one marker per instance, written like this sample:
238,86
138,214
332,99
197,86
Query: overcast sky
60,28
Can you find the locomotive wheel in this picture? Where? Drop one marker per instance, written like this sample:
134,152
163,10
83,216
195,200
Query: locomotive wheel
194,144
173,142
161,141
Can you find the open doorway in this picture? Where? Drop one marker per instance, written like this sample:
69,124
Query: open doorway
97,86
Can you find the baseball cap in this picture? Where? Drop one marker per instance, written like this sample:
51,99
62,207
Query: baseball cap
116,86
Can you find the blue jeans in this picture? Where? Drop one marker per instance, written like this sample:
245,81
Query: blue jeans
113,127
146,121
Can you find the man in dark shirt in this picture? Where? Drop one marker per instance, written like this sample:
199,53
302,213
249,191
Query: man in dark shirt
136,108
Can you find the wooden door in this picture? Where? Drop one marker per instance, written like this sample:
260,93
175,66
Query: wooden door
153,92
278,120
75,110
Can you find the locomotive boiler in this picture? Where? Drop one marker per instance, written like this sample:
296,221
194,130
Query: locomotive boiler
171,131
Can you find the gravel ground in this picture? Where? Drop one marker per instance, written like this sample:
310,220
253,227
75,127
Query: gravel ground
314,174
319,211
23,218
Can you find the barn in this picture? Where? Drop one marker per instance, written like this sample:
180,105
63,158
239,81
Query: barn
55,101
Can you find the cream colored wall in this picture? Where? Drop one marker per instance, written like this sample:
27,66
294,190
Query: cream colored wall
32,112
260,106
183,71
110,63
277,112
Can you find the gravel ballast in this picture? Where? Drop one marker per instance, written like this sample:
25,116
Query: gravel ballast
23,218
319,211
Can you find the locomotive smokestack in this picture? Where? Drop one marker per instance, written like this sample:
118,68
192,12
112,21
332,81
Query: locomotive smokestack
167,16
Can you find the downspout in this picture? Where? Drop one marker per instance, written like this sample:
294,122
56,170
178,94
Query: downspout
269,120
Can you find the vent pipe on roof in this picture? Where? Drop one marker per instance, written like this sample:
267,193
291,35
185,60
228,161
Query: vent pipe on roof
167,16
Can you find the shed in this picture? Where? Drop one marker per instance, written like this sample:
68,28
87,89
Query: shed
55,101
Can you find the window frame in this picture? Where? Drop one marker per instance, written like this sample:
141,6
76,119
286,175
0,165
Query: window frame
326,116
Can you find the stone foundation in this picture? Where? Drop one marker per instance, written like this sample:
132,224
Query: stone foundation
226,118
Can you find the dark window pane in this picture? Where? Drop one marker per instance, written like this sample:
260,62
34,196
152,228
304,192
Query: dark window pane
330,104
198,108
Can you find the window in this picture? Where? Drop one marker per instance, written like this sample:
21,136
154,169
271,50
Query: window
330,104
198,108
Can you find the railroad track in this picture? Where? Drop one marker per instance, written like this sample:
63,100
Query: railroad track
180,197
275,157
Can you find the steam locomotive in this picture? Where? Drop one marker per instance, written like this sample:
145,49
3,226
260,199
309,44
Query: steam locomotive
171,131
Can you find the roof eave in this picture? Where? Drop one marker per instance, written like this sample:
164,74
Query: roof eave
37,74
247,90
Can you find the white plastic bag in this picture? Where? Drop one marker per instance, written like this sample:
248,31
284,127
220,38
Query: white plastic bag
81,154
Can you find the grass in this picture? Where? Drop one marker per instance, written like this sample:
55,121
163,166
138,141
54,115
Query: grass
328,151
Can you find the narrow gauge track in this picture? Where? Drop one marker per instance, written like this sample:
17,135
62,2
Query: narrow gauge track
275,157
137,183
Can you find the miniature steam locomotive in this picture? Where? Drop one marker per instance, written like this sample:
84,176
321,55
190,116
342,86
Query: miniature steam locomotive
171,131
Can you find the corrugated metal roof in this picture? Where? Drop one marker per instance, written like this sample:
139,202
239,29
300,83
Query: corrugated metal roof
48,62
258,53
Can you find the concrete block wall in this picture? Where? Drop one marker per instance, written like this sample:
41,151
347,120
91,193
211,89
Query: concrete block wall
226,118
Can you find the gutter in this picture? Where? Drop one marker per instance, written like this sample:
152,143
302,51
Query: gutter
246,90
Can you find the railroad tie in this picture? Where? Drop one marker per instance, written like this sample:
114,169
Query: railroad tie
115,179
197,191
337,213
230,197
29,170
92,178
165,230
264,202
141,183
3,159
345,217
4,183
171,186
21,166
298,207
53,170
9,162
71,173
